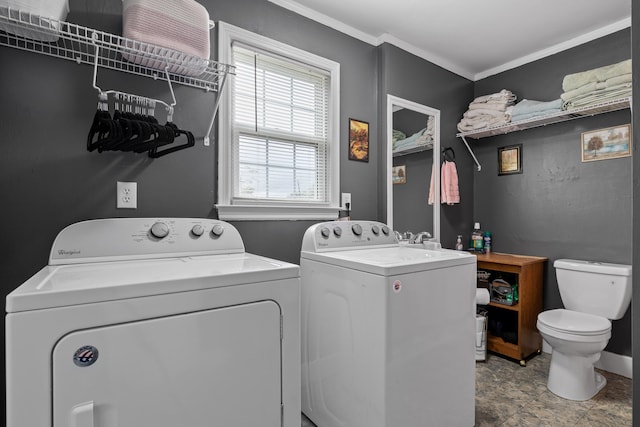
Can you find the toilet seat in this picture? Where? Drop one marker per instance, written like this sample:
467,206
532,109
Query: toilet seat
573,325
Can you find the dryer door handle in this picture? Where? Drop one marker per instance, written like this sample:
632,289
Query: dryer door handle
82,415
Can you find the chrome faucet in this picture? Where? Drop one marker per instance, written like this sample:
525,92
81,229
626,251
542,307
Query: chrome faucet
420,237
407,236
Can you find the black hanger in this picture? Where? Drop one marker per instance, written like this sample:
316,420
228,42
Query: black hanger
137,132
191,141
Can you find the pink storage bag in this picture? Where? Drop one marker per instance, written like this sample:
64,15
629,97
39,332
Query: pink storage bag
173,31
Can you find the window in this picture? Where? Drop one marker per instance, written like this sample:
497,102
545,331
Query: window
278,139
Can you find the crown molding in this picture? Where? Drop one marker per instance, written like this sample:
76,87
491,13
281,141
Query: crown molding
443,62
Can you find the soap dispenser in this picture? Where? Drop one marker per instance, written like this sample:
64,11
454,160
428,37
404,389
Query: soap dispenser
459,246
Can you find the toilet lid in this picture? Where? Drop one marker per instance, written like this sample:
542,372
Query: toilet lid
574,322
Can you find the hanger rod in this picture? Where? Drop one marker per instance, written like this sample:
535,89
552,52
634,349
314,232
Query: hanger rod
136,97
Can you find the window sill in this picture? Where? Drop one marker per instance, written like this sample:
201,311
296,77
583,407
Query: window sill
275,213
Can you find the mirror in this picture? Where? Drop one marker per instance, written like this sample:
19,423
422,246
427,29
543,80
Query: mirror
413,151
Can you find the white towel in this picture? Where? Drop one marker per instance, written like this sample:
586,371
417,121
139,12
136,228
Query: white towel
503,95
601,74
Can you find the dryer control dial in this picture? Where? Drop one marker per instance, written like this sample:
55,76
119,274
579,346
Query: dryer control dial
217,230
375,229
160,230
385,230
197,230
337,231
325,232
357,229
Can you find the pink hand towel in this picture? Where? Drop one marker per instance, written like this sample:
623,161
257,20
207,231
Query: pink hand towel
449,183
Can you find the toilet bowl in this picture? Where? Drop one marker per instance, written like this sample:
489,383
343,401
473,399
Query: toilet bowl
592,293
577,340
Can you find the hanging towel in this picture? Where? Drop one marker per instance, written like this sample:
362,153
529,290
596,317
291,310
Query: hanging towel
449,183
450,193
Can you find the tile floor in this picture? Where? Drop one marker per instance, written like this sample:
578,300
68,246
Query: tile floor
509,395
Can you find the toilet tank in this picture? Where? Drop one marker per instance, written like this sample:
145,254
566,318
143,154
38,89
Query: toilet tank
597,288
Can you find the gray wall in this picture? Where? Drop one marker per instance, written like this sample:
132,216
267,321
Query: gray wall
406,76
635,43
50,180
559,207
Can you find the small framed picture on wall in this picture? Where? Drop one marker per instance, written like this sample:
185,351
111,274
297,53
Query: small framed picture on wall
510,160
399,174
358,140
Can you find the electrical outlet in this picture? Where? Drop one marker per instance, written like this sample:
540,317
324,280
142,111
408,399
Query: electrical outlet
346,198
127,195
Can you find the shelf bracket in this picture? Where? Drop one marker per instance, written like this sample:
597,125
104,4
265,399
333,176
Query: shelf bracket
215,109
475,159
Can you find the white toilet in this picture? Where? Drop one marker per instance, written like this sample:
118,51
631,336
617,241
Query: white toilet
592,293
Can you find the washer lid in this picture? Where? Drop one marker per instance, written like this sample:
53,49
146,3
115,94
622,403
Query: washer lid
65,285
574,322
392,260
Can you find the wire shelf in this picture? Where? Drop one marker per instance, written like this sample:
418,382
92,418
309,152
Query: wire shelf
73,42
561,116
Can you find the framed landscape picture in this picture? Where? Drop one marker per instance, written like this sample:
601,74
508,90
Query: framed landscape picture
399,174
608,143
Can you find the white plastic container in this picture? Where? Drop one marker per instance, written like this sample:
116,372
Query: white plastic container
481,337
170,32
33,19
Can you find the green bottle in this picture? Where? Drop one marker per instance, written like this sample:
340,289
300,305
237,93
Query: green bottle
477,238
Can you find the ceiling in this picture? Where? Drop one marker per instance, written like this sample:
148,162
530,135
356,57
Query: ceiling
472,38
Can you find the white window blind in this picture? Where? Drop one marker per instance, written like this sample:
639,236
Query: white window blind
280,131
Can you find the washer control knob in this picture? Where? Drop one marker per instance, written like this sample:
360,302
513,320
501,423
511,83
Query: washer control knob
357,229
325,232
197,230
375,229
160,230
217,230
385,230
337,231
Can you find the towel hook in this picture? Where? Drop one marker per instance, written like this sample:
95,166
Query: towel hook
448,151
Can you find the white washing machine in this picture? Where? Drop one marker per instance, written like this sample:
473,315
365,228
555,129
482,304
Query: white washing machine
154,322
387,329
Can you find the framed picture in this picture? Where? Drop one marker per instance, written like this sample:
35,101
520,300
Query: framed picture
510,160
399,174
608,143
358,140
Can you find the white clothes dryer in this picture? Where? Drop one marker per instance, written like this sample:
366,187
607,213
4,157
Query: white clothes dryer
154,322
387,329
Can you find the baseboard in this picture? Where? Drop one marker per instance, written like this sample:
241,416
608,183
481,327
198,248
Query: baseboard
610,362
616,363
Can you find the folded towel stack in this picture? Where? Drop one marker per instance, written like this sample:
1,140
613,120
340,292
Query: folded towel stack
528,109
424,137
596,86
487,111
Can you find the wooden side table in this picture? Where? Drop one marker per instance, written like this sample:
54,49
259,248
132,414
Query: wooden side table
528,273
